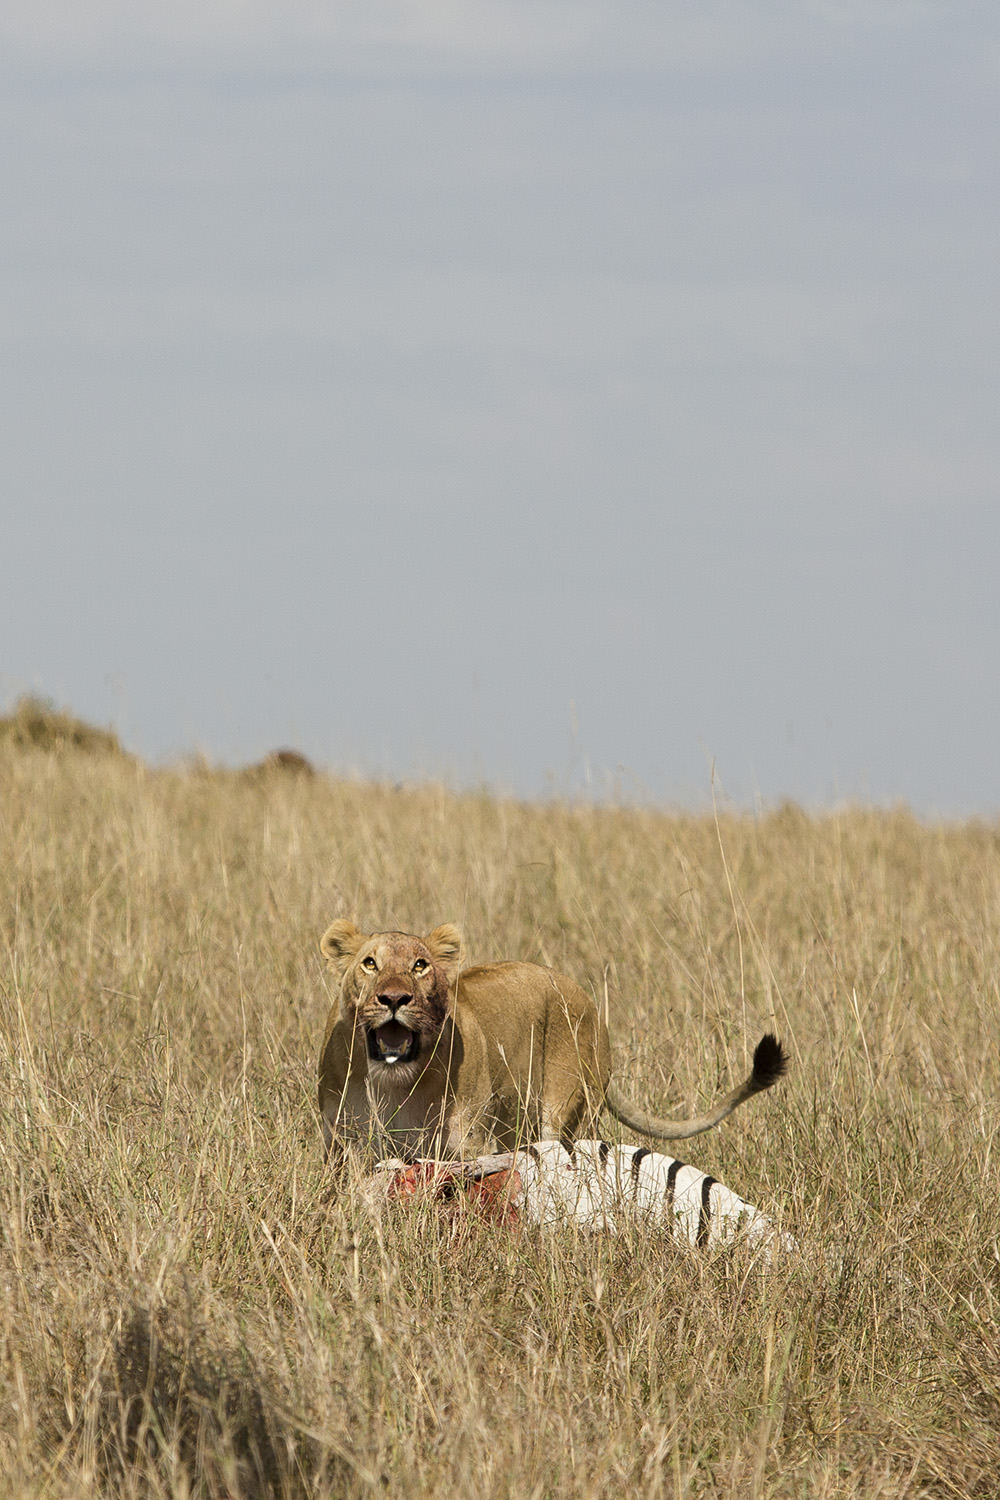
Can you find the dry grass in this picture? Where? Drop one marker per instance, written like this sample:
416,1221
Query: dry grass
189,1308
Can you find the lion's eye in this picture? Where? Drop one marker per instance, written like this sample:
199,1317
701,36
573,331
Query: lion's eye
420,965
369,964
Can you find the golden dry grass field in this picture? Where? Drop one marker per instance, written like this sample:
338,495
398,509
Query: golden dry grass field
190,1306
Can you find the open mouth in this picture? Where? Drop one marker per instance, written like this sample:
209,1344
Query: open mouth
393,1043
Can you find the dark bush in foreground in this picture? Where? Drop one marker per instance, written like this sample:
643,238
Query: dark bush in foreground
173,1400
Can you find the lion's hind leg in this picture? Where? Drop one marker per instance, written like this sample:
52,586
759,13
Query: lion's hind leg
568,1113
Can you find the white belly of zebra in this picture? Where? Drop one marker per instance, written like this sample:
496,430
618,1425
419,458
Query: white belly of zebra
602,1185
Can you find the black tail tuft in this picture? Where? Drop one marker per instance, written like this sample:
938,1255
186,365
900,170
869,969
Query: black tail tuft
770,1061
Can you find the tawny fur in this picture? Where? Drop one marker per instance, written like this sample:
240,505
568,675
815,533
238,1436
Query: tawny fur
421,1058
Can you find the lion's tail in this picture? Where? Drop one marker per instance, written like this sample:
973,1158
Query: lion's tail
770,1062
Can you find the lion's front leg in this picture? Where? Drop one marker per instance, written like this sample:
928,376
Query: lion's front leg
347,1118
463,1135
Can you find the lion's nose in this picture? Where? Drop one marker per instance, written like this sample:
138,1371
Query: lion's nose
393,999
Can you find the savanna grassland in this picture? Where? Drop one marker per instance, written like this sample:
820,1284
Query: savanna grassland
190,1306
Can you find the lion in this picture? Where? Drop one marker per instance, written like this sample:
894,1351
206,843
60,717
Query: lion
424,1059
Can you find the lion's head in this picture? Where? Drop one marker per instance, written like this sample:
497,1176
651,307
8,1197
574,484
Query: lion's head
394,990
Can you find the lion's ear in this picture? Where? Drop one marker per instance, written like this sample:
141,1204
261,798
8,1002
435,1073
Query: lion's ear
339,943
445,943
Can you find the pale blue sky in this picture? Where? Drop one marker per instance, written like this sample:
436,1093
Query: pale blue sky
520,392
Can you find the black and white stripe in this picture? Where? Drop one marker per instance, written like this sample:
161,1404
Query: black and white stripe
602,1185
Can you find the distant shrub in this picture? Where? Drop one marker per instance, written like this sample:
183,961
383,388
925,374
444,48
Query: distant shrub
283,763
37,722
